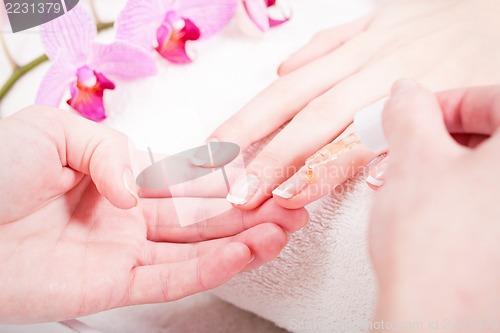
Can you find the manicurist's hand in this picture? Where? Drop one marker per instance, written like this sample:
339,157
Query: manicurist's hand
435,225
444,44
75,239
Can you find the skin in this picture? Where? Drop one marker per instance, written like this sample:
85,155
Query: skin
345,69
434,228
75,239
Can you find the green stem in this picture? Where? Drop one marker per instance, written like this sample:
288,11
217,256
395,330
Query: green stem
105,26
19,72
93,11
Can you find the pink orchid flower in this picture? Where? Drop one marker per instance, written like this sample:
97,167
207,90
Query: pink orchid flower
266,14
83,65
168,25
3,14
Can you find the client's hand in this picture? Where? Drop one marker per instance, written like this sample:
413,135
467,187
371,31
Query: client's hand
68,247
444,44
435,227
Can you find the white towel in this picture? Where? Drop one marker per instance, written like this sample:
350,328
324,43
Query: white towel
322,282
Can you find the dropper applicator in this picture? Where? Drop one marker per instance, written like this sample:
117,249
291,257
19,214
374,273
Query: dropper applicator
368,132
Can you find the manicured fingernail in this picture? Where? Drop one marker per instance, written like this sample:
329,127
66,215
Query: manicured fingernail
403,86
130,185
376,177
243,189
374,181
292,186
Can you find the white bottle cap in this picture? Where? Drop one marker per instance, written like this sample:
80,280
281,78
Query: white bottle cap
368,125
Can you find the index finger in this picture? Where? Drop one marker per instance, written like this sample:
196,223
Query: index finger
471,110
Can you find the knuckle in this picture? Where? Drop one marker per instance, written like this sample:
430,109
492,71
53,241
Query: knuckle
282,87
235,126
199,275
321,108
41,111
276,229
165,284
320,36
202,213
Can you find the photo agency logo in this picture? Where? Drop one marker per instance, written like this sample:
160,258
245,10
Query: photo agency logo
196,180
26,14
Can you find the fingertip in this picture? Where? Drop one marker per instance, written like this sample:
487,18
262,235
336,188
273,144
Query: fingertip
271,240
246,192
376,176
297,215
284,68
303,218
120,191
223,264
414,123
290,220
131,187
404,85
412,117
238,249
239,254
290,203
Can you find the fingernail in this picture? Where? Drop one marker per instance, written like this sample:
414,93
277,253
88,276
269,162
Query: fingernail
252,258
292,186
377,175
202,156
278,70
243,189
130,185
404,85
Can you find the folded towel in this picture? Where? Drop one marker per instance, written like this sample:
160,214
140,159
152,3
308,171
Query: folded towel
322,281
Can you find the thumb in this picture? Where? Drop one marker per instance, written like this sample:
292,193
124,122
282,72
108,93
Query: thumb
100,152
413,121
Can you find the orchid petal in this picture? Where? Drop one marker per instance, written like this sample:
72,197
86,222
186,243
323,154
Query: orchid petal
71,34
3,14
138,22
87,93
55,83
257,12
172,44
279,12
177,55
210,16
122,60
274,23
